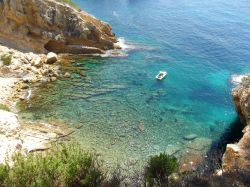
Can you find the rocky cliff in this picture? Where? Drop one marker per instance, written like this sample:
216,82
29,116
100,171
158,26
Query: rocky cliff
47,25
237,156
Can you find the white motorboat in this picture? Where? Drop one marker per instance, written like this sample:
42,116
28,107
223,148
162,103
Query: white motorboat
161,75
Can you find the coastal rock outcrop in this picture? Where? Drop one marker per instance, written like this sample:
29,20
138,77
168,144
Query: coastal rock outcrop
237,156
29,67
24,137
47,25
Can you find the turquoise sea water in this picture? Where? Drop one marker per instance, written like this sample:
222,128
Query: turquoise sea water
127,114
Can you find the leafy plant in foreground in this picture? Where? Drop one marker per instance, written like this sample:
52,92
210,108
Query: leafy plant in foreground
64,165
160,167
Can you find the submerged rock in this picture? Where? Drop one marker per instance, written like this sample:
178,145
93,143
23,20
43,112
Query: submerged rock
174,149
190,160
141,127
200,144
67,75
190,137
132,161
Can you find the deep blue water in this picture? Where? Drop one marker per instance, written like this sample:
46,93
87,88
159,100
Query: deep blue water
127,113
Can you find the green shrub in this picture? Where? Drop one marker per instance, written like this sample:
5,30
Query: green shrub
3,173
4,107
64,165
160,167
116,177
70,2
6,59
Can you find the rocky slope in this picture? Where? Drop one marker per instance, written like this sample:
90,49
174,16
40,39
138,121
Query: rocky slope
47,25
237,156
17,73
28,29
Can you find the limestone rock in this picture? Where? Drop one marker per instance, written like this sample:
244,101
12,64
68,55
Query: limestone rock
237,156
67,75
25,86
6,85
51,58
16,62
200,144
29,56
16,136
48,25
52,79
37,62
9,128
27,79
34,70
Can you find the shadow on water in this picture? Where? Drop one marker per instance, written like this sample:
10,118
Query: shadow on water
231,135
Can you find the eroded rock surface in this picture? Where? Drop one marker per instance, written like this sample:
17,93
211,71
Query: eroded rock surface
237,156
17,136
47,25
28,67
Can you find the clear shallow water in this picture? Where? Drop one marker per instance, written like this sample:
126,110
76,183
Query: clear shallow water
125,112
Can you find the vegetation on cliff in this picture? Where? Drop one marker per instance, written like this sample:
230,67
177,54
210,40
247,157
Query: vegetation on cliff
70,2
6,59
4,107
43,26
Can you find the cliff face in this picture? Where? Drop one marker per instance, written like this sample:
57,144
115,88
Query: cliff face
237,156
46,25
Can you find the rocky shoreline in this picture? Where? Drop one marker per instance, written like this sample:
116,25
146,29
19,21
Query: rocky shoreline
237,156
30,32
16,77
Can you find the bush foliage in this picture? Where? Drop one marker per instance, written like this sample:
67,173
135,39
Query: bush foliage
4,107
67,165
64,165
160,167
6,59
70,2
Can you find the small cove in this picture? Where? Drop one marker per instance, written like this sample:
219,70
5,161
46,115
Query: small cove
126,114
